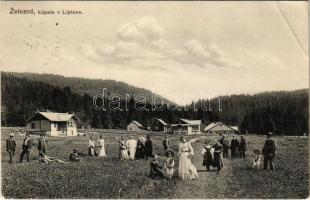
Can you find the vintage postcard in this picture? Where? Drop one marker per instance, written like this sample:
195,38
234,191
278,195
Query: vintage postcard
154,99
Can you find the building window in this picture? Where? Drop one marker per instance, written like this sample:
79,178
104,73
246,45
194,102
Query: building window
33,126
55,125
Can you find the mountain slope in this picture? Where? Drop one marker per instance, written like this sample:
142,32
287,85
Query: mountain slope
88,86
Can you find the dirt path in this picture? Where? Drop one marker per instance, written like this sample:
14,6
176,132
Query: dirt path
209,184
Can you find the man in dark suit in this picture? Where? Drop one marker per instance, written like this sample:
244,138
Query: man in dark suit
224,142
11,146
269,151
242,147
234,144
27,143
218,161
148,147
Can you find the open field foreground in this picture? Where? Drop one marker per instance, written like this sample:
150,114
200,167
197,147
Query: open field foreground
112,178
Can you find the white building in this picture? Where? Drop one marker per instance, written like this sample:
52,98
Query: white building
53,124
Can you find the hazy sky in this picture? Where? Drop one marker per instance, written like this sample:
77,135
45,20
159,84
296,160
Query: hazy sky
181,50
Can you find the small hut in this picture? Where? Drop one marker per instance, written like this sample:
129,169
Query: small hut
160,125
220,128
134,126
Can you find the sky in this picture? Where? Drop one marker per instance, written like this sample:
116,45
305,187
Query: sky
180,50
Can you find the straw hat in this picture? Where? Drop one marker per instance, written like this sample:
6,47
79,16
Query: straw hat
169,151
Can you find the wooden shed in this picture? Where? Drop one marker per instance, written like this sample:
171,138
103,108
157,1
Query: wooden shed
160,125
134,126
220,128
185,126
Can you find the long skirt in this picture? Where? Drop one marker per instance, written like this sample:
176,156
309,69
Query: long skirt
102,152
218,160
186,169
132,153
123,154
91,151
170,171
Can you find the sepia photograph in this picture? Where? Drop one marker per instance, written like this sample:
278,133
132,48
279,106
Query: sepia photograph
154,99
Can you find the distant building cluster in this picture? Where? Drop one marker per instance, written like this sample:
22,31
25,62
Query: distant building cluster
65,124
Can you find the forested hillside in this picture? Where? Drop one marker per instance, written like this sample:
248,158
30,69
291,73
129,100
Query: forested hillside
284,112
86,86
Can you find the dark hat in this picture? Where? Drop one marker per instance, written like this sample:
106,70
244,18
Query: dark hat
256,151
169,151
269,134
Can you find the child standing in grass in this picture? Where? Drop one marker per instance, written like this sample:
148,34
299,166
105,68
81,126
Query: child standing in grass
169,163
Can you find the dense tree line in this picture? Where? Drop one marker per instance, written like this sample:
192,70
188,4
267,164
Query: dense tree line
84,85
280,112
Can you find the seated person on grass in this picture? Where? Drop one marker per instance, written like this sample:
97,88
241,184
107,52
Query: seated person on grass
155,171
74,156
47,159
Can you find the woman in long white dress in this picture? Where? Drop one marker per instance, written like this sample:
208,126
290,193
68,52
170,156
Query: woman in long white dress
123,154
186,169
131,145
101,146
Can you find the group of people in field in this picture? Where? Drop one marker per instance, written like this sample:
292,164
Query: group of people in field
26,149
237,147
96,148
135,149
142,148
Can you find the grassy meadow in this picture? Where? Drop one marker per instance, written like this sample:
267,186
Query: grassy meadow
112,178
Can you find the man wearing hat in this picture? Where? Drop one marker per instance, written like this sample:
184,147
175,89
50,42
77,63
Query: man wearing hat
11,146
269,151
27,143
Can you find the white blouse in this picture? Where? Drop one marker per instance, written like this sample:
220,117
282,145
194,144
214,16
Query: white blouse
91,143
